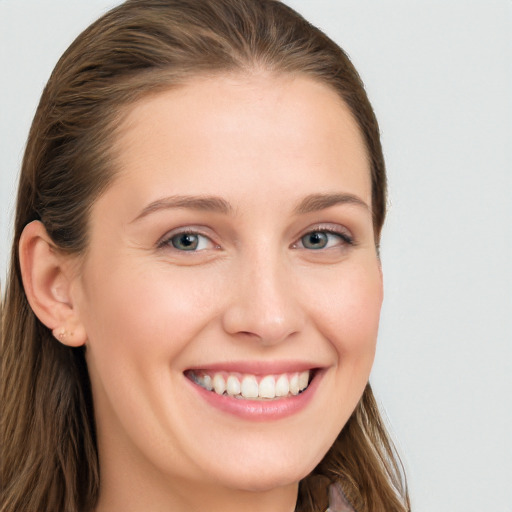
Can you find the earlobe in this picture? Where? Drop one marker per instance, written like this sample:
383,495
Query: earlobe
46,274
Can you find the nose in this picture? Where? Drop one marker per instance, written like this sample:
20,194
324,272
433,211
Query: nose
263,304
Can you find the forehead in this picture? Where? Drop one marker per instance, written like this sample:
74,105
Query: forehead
229,135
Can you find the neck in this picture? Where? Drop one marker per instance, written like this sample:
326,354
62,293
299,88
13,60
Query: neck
179,496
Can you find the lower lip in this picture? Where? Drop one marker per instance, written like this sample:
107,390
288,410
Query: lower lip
260,410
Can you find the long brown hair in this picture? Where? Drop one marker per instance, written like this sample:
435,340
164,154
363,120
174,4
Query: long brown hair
49,459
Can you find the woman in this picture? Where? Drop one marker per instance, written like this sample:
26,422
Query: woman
192,310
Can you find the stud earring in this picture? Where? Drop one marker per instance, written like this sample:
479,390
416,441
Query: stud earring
62,334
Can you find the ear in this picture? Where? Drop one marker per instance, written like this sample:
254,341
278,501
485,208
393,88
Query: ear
47,275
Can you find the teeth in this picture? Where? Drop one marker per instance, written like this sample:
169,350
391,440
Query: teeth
294,384
207,382
248,387
267,387
219,384
233,386
303,380
282,386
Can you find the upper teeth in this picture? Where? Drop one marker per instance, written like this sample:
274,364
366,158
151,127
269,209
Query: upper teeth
250,386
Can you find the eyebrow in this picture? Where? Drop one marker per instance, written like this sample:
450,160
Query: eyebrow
200,203
311,203
316,202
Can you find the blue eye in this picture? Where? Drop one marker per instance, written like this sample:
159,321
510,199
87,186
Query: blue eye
316,240
189,242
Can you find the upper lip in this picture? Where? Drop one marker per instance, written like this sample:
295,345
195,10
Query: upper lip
258,367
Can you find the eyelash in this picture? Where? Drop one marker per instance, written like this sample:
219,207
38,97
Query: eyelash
166,242
345,238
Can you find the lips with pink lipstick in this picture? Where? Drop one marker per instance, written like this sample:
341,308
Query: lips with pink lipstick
256,390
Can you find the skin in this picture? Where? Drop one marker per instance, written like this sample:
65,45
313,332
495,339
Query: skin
147,311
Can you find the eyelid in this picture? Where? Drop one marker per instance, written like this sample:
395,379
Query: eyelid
335,229
165,241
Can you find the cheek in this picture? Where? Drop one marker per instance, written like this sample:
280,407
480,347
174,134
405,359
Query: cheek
348,311
139,322
138,310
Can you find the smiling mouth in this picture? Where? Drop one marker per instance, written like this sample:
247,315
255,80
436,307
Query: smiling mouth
252,387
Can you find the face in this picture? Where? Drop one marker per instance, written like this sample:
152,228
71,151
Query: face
231,290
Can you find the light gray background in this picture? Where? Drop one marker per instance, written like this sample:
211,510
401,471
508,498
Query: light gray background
439,74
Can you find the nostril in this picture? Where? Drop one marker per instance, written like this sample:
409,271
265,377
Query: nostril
248,335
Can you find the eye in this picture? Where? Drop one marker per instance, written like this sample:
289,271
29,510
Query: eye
189,242
324,239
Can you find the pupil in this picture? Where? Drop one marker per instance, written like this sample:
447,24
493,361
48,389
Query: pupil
316,240
185,241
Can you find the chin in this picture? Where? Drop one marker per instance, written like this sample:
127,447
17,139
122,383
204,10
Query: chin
267,482
265,475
